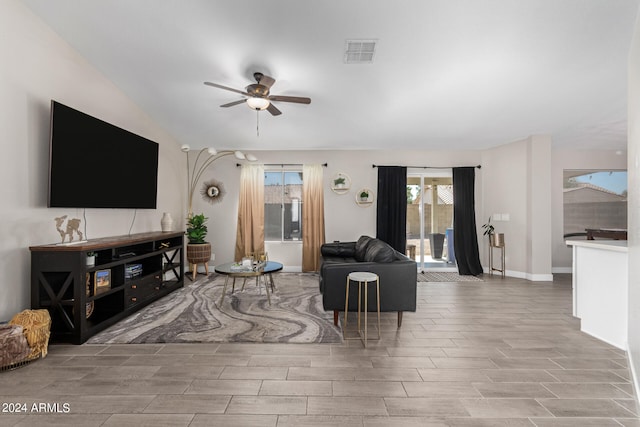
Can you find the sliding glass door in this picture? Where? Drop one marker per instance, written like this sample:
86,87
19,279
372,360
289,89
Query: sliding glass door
430,219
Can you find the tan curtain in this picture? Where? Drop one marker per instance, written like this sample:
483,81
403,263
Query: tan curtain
250,233
312,216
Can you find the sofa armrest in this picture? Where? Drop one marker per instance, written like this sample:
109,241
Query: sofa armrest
398,283
338,249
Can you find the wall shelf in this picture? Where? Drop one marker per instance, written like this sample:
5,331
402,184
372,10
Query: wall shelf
367,201
342,188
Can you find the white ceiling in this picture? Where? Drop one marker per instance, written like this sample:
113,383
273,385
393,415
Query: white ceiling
447,74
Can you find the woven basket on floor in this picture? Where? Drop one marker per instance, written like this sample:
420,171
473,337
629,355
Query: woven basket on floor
36,325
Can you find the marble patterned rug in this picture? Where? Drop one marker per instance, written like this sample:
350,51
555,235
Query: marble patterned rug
191,314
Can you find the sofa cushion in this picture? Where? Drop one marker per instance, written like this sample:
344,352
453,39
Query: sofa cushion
379,251
361,247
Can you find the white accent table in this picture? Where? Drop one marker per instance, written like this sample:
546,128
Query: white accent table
363,278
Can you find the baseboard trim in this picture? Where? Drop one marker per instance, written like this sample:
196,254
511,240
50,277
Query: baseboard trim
522,275
562,270
540,277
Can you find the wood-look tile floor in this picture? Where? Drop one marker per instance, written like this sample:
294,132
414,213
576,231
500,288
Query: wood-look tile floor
505,352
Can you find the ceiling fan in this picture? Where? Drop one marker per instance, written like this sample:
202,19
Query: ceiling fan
258,97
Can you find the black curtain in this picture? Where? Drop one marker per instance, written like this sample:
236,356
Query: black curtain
391,223
465,238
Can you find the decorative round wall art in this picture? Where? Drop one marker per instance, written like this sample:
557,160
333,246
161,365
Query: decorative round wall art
212,191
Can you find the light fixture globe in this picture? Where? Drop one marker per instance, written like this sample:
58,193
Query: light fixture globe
251,157
185,148
256,103
239,155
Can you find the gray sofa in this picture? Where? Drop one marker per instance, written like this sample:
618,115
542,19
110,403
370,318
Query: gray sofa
397,273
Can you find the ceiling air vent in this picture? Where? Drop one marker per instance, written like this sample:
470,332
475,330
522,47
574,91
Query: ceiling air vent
359,51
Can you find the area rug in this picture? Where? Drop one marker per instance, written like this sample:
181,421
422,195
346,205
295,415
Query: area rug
435,276
192,314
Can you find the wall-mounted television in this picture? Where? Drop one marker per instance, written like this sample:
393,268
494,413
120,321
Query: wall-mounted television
94,164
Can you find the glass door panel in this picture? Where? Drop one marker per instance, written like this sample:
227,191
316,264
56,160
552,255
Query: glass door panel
430,219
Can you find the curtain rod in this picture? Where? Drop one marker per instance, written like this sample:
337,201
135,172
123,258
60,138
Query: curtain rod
284,164
428,167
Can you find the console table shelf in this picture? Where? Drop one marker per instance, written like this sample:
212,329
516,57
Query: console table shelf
63,283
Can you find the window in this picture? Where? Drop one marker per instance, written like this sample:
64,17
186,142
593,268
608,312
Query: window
594,199
283,205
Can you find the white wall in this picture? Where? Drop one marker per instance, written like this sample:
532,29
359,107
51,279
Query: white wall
38,66
516,183
504,192
344,219
539,207
634,206
573,159
502,186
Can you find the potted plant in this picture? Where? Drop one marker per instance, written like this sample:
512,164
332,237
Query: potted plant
197,229
364,195
495,239
198,250
339,182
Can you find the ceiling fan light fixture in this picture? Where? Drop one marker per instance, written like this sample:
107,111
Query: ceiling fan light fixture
256,103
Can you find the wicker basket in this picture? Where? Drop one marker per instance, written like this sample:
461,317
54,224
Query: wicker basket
36,325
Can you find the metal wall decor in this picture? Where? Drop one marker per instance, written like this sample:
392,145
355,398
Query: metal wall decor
212,191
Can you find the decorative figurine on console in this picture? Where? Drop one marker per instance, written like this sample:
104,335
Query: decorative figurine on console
73,225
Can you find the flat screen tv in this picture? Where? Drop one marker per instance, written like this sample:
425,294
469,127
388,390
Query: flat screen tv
94,164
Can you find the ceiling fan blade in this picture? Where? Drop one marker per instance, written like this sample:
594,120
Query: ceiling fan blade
226,88
296,99
231,104
267,81
273,110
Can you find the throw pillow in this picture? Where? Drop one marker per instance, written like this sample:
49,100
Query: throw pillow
379,251
361,247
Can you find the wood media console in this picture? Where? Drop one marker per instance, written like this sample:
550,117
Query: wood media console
129,273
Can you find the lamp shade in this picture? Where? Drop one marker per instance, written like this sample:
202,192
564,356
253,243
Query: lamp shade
257,103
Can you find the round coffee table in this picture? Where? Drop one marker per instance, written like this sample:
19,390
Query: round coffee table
234,270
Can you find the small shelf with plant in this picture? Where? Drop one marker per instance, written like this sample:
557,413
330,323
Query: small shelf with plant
364,197
341,183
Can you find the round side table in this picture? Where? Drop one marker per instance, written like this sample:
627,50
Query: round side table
363,278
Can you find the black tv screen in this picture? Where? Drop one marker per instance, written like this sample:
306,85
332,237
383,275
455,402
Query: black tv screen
94,164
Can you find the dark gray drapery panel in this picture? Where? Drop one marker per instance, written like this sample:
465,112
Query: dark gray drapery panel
391,220
465,240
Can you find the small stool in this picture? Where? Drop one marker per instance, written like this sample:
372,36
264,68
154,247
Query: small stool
366,278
